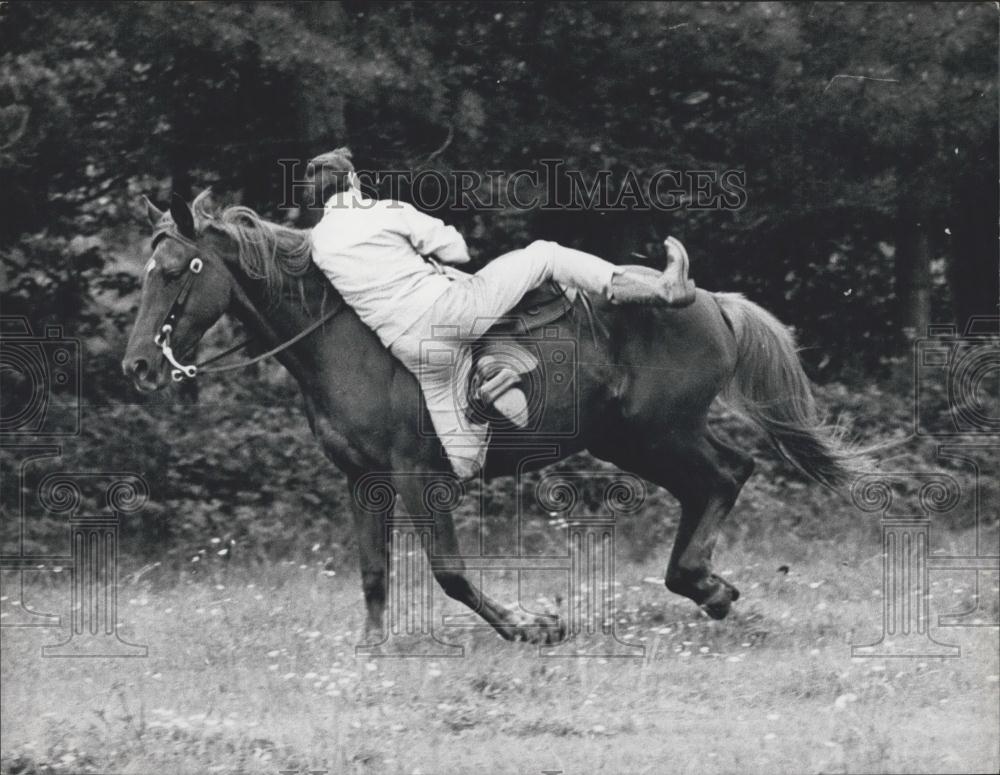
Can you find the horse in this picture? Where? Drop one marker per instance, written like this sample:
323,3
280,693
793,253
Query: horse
646,378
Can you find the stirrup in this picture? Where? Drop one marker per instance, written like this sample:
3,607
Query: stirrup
513,405
502,391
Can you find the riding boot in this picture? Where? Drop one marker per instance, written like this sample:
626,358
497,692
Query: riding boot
642,285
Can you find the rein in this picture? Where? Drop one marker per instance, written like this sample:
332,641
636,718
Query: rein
181,371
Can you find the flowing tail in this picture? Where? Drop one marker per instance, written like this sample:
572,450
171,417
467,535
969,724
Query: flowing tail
771,390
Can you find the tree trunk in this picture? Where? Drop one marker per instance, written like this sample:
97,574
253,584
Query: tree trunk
913,277
974,269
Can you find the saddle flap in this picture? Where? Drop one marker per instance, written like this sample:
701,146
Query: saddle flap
539,307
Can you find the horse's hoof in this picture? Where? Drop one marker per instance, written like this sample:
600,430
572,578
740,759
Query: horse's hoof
554,629
373,635
734,593
544,629
717,604
717,610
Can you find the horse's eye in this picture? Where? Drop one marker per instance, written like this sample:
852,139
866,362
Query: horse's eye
172,274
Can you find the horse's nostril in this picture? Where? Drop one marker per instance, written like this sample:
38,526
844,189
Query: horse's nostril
139,367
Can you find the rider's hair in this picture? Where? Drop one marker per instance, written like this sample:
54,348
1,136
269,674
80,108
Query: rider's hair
332,172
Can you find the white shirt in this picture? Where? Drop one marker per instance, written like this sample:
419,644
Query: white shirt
372,253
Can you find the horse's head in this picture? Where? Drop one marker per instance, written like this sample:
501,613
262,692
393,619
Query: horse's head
186,289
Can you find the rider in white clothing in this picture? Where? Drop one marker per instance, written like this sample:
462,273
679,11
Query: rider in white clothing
378,255
371,251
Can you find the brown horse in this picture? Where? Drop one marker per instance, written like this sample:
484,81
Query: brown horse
645,378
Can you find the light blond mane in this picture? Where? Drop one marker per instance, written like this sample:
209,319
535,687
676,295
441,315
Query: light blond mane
267,251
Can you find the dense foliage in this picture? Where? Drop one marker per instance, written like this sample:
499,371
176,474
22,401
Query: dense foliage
867,135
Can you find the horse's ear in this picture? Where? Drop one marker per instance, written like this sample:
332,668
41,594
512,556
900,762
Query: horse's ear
153,213
182,216
201,208
203,202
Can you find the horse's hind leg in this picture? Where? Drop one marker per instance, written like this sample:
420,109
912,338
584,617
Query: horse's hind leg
446,562
706,476
712,476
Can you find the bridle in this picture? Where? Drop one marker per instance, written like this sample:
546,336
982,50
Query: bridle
181,371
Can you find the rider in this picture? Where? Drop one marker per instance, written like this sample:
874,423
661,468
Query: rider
382,257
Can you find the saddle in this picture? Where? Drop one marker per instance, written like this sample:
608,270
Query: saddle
547,304
504,355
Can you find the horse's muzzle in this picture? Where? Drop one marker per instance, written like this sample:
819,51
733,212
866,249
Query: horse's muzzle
145,378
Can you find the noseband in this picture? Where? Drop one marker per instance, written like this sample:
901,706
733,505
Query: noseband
180,371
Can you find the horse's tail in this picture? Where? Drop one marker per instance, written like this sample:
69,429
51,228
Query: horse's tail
770,388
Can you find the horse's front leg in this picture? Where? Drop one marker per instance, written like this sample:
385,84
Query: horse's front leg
444,556
369,529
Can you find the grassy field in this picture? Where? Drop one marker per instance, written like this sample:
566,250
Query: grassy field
254,670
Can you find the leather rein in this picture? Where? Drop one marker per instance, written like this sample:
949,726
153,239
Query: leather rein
182,371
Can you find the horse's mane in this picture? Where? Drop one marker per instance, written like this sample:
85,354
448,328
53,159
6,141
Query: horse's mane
267,251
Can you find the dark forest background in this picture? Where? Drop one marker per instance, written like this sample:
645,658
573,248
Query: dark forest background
867,134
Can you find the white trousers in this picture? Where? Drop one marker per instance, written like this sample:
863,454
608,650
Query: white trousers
436,347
